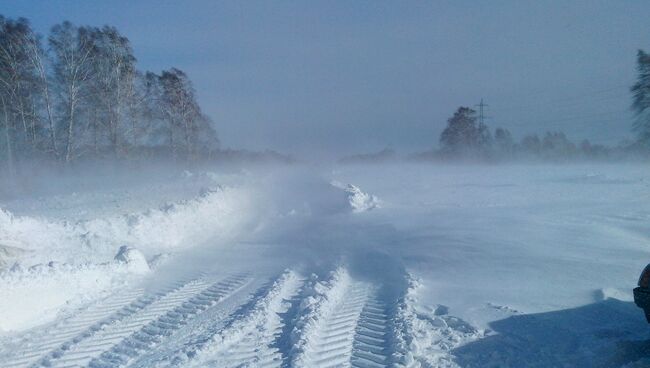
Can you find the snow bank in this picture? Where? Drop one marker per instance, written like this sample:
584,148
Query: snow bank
133,259
40,293
35,289
320,299
426,336
213,214
358,199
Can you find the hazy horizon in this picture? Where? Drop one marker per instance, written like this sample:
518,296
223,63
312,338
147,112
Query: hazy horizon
340,78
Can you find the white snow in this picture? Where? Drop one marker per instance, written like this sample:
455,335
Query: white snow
358,199
37,295
133,259
258,325
86,246
512,262
171,226
320,299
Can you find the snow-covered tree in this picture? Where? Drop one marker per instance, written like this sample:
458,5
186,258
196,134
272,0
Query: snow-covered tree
84,96
641,98
181,112
556,145
503,142
112,88
461,131
463,136
531,144
72,49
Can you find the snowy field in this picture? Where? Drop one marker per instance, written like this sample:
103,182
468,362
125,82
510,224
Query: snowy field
373,266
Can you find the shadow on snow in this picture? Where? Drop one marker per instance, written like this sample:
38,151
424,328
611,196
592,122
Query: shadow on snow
610,333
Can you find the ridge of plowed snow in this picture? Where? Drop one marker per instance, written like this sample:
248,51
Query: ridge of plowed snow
63,265
426,338
320,299
186,223
35,296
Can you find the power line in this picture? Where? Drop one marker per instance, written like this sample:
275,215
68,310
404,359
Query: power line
565,105
581,118
481,117
597,95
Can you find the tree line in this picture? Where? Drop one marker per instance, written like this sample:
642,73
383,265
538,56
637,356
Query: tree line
78,94
466,137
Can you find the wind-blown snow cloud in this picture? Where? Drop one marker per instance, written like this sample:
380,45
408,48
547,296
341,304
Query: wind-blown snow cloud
293,76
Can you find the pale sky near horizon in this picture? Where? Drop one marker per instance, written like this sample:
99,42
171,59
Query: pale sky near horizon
342,77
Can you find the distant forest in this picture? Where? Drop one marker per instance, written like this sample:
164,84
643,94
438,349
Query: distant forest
78,94
466,136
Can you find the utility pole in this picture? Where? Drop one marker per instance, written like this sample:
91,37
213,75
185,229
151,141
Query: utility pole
481,117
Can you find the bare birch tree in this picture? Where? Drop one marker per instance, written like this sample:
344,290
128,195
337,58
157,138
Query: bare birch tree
72,51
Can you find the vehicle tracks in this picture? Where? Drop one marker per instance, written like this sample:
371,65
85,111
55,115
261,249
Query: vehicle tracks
251,338
31,347
239,320
152,332
354,334
79,351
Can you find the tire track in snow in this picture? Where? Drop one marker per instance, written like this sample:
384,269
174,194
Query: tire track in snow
243,320
158,330
33,346
346,326
81,350
372,336
250,338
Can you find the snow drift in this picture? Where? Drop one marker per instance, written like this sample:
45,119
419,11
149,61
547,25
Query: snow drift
173,226
359,200
48,266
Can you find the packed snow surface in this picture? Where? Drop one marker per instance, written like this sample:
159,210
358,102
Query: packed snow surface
382,265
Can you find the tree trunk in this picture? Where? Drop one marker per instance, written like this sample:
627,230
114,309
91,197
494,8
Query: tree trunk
33,123
10,158
68,149
22,118
172,147
50,119
95,138
188,144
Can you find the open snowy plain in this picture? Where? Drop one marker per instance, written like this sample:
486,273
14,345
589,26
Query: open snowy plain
364,266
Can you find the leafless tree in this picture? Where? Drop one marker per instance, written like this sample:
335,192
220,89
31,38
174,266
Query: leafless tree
84,96
114,73
72,50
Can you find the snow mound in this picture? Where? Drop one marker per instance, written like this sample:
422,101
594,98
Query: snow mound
359,200
320,298
214,214
43,292
133,258
48,266
158,260
614,293
427,336
8,255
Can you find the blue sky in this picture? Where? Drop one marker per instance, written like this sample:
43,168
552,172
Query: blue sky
341,77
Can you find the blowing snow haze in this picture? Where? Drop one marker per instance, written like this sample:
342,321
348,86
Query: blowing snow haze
202,184
340,78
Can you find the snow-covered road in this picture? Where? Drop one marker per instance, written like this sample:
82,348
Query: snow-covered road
458,267
251,318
